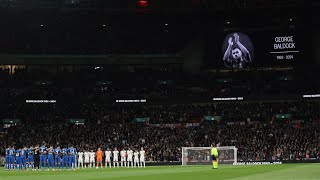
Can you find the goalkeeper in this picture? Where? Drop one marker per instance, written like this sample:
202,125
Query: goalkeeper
214,156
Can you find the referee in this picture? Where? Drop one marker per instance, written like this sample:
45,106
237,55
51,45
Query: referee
36,158
214,156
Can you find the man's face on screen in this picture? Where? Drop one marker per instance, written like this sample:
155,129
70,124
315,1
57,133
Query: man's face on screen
236,53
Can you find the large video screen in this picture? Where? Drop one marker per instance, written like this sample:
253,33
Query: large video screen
242,49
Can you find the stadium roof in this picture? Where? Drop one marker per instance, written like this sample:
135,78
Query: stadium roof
155,5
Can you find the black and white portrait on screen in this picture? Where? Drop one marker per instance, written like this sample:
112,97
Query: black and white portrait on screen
238,51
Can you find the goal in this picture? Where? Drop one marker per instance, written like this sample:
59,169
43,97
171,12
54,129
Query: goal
202,155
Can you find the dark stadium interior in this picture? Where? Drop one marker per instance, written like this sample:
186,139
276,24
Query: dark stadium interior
88,54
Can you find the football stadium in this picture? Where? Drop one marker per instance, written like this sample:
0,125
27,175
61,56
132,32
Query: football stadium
159,89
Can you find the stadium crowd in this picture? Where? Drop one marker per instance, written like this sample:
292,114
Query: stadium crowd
251,127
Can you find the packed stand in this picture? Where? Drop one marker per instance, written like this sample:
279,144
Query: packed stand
251,127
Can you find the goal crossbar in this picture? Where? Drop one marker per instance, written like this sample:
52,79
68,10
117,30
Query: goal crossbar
202,155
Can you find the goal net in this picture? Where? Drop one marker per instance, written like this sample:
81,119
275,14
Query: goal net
202,155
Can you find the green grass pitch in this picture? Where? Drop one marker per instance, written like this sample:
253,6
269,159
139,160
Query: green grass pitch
272,172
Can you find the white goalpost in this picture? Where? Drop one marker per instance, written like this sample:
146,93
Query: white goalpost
202,155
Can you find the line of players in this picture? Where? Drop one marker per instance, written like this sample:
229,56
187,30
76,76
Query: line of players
57,158
127,158
25,158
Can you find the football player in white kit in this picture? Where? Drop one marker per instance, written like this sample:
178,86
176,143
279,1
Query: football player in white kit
136,158
108,158
86,158
80,159
130,160
92,161
142,158
115,157
123,154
